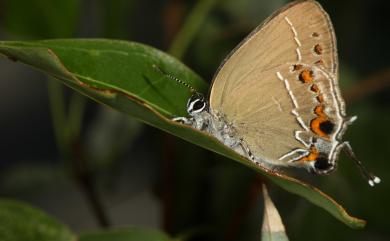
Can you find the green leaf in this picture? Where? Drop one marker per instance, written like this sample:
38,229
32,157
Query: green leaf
111,68
121,74
125,234
273,228
19,221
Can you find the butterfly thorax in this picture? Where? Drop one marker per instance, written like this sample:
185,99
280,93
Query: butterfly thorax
203,118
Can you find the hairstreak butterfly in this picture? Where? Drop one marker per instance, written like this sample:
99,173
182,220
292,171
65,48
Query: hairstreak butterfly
275,99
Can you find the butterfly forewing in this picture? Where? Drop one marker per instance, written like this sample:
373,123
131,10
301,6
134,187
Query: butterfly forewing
271,83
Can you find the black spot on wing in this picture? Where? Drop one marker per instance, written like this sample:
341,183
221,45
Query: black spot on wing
326,127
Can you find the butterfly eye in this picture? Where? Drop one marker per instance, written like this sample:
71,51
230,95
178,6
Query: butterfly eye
196,106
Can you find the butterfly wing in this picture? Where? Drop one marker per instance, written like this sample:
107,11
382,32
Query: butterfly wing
265,86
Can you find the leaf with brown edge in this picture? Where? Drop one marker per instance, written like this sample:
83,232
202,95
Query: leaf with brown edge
120,74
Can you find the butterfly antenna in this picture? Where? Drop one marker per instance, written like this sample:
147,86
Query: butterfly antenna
372,179
192,89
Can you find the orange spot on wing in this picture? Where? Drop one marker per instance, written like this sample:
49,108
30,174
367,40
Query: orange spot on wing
315,35
318,49
315,88
312,156
297,67
306,76
320,125
319,110
315,125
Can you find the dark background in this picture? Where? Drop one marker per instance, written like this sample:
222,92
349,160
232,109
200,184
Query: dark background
141,176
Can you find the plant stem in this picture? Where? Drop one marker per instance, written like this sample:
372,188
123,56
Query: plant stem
76,113
168,163
57,107
84,179
67,130
178,47
242,211
190,27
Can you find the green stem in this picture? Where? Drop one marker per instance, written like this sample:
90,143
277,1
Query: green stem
57,108
67,129
76,114
178,47
190,27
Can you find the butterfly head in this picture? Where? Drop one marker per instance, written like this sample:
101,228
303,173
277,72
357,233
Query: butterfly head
196,104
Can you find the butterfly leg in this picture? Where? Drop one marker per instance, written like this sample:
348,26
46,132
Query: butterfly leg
197,122
246,150
184,120
250,155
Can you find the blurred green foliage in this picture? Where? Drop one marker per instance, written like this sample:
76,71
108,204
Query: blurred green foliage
20,222
41,18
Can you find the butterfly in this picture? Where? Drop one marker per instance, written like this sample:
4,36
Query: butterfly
275,98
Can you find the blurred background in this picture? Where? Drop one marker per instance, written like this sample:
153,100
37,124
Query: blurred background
92,167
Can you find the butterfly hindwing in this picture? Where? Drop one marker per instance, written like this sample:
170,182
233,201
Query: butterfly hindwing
270,85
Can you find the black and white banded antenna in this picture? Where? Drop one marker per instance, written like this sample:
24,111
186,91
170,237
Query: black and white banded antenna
192,89
371,178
